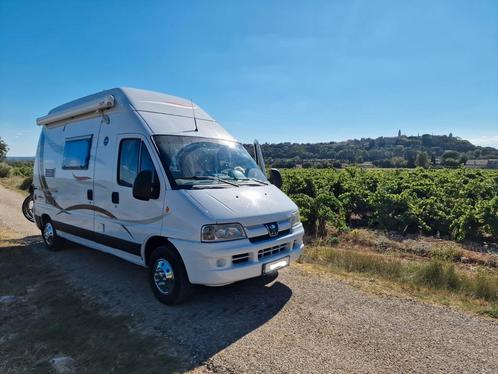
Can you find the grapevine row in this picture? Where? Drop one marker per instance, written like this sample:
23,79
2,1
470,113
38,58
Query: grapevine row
460,204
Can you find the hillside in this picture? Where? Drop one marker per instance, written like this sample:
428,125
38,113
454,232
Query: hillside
399,151
396,151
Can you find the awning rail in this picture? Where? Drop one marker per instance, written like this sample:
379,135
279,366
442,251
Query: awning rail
93,106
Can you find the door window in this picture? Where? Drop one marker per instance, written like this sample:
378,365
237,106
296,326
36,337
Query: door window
128,161
134,158
145,160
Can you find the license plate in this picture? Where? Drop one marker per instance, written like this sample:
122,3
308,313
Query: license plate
270,267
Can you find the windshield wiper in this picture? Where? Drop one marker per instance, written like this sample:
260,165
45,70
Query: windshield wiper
253,179
210,177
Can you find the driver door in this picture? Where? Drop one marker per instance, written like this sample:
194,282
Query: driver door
122,221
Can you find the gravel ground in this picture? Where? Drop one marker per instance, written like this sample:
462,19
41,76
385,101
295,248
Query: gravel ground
295,323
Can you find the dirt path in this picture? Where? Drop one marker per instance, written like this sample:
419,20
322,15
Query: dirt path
297,323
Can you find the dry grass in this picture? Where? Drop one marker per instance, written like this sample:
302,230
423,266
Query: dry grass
419,246
434,277
17,183
384,287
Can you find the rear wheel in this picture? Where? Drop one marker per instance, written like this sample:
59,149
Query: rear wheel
27,208
50,237
168,276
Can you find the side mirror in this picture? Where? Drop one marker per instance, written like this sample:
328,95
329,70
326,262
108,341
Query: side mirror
275,177
142,187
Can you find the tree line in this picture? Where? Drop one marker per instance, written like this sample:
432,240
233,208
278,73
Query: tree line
386,152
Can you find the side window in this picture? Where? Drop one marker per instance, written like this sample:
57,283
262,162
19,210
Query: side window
128,161
146,162
134,158
77,153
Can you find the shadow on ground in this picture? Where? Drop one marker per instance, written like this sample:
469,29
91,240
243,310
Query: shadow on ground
211,320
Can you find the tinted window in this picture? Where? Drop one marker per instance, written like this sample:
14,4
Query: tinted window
145,160
77,153
134,158
128,161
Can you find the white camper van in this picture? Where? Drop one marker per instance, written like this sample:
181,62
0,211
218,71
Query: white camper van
153,179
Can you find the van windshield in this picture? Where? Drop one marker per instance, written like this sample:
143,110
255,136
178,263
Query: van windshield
195,162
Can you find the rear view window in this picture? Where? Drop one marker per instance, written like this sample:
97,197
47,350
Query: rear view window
77,153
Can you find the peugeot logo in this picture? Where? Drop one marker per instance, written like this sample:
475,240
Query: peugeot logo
272,229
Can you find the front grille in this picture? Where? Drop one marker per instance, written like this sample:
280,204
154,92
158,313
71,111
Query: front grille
268,252
260,238
237,259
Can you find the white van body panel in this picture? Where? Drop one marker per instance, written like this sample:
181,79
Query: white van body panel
93,204
246,205
160,123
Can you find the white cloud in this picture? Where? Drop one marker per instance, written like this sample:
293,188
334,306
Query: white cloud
486,141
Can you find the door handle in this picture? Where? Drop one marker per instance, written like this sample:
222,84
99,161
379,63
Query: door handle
89,194
115,197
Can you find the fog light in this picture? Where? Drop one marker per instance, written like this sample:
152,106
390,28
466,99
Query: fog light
221,262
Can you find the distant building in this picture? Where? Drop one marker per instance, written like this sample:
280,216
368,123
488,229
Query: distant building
390,141
493,163
366,164
482,164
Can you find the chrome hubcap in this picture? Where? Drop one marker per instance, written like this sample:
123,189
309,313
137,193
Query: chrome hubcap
48,233
164,278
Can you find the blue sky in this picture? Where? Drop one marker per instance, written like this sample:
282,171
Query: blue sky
302,71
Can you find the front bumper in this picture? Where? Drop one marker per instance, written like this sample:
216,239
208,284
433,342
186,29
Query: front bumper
220,263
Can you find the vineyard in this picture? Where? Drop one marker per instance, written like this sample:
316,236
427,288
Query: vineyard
458,204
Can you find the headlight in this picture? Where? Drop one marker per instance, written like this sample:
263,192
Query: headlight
229,231
296,218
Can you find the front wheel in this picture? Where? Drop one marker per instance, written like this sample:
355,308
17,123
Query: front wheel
53,241
168,276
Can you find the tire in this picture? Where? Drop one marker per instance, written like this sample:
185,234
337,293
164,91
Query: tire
27,208
49,234
168,276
